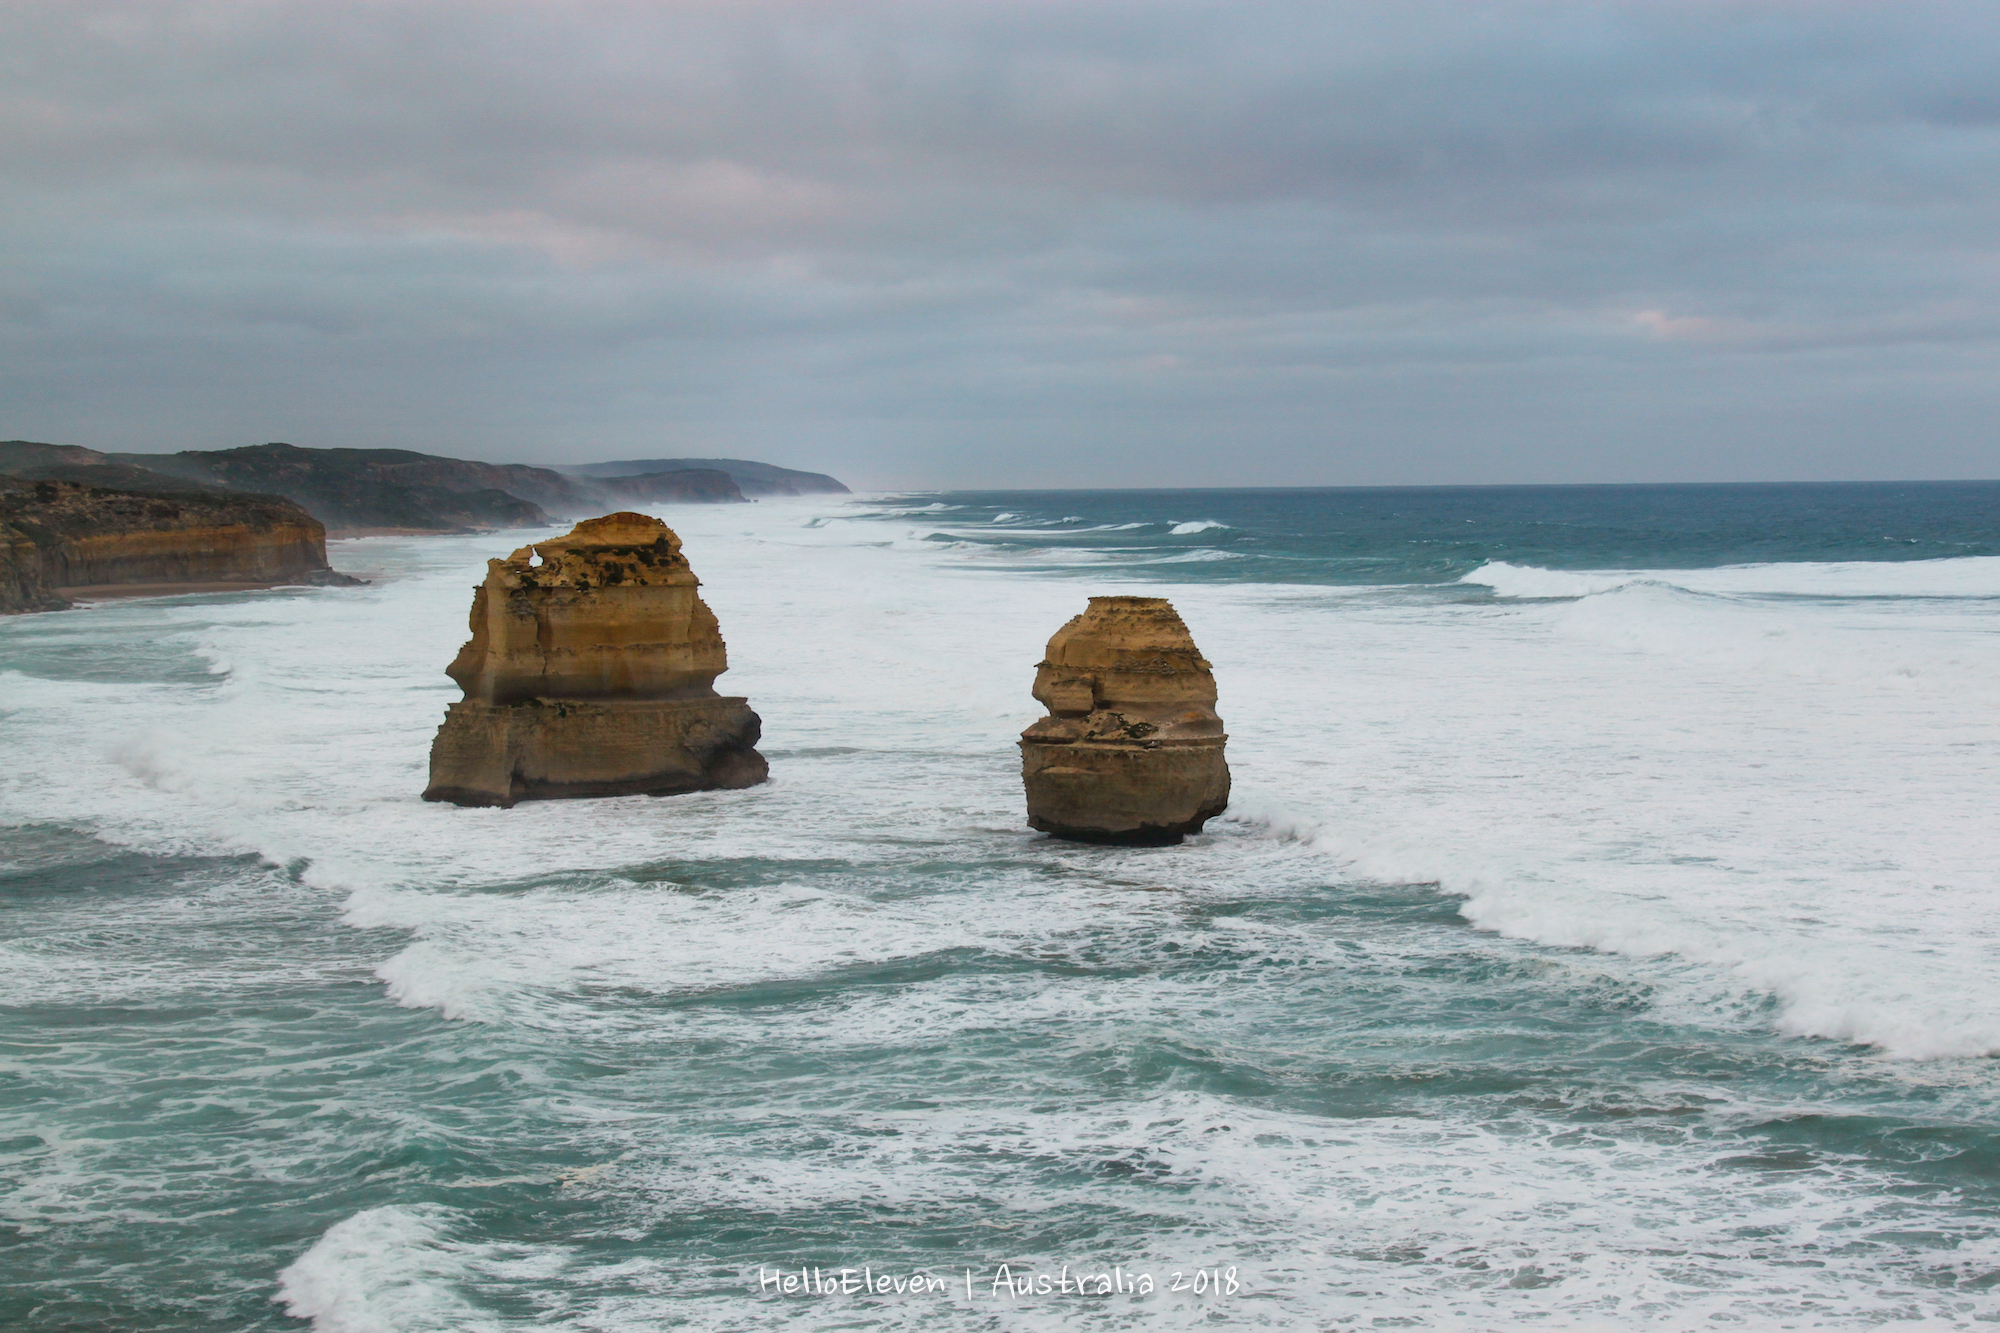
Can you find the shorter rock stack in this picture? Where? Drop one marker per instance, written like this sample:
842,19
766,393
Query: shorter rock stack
591,672
1131,751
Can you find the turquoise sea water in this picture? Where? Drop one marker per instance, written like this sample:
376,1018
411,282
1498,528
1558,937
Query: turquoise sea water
1603,936
1438,534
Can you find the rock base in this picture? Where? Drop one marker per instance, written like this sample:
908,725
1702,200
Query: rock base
1135,796
555,749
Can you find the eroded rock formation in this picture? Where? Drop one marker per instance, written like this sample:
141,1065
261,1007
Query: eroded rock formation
1131,751
59,536
591,672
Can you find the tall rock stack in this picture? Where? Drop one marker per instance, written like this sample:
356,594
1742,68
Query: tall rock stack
1131,751
591,672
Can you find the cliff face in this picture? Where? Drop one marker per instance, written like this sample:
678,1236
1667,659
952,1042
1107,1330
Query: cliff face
591,672
24,586
1132,749
59,535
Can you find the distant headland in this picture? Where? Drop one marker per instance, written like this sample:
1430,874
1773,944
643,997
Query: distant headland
753,478
260,515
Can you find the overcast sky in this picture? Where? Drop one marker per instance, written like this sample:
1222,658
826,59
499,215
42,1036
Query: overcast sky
1034,243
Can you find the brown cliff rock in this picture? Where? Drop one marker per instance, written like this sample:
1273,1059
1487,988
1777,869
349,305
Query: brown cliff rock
24,585
59,535
591,672
1131,751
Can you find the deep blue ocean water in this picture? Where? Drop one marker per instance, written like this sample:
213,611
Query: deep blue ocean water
1438,534
1604,936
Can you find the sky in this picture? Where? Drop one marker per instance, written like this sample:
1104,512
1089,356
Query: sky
1036,243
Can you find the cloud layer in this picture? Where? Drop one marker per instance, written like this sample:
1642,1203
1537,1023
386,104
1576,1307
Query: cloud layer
1035,243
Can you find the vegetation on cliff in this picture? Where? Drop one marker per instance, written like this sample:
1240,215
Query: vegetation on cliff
361,489
751,478
374,488
399,488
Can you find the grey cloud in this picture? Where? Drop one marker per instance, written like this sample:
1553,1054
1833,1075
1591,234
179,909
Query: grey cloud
1506,236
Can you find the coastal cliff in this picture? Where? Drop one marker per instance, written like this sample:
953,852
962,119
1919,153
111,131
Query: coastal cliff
591,672
701,485
359,491
751,478
58,536
1132,749
24,586
365,489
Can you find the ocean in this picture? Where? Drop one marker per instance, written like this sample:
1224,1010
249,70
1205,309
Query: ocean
1603,935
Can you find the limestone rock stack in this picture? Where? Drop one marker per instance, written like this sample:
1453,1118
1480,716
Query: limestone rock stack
1131,751
591,672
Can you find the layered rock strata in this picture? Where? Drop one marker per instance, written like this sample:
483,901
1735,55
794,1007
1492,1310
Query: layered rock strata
1131,751
591,672
58,536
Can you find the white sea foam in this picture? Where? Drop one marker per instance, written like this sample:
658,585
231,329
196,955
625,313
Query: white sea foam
1198,525
1331,1223
1752,796
388,1270
639,936
1793,793
1789,794
1193,558
1969,576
